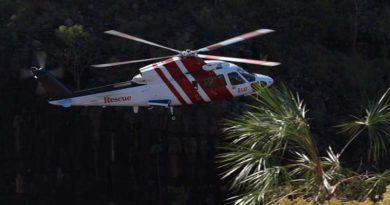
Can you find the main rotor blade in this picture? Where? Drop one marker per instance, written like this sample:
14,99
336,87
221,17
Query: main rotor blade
124,35
239,60
129,62
235,40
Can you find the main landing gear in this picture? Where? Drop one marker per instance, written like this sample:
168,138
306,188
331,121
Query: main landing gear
136,109
173,117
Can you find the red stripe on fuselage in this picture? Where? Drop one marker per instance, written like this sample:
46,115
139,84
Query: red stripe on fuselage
170,86
183,82
194,66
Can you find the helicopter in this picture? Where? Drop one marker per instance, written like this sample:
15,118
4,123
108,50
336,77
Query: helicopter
186,78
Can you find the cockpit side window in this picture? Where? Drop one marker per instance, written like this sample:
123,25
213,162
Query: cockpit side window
235,78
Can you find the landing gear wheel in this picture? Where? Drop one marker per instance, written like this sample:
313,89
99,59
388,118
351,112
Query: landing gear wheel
173,117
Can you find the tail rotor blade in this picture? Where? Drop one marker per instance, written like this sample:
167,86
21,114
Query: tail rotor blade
25,73
40,90
239,60
58,72
38,60
129,62
41,58
127,36
236,39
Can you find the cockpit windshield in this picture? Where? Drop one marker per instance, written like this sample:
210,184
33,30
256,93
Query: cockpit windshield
249,77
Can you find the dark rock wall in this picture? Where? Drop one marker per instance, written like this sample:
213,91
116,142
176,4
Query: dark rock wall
95,155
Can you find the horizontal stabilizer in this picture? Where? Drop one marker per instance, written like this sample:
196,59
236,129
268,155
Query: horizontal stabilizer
65,102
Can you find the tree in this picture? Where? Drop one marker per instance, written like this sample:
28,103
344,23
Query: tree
76,55
272,153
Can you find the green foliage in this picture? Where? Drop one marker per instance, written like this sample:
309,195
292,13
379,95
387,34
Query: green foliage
77,54
259,142
377,123
295,201
272,154
334,201
71,34
260,139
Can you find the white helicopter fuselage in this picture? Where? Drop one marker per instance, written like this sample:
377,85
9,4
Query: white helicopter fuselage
188,77
172,83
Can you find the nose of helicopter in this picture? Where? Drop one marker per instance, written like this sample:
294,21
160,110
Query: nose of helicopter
264,80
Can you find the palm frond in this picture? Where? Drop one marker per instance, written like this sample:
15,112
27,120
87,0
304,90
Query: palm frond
332,161
377,123
376,183
303,166
259,139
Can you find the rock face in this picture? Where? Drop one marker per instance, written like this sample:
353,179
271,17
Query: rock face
144,158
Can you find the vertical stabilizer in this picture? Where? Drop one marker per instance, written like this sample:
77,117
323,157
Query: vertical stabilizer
53,87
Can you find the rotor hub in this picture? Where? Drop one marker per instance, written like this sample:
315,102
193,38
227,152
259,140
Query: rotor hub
188,53
35,68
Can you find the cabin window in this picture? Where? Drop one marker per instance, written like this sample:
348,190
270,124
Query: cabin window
235,78
208,82
221,79
213,82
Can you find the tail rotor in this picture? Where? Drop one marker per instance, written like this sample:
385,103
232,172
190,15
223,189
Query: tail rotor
47,82
38,63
